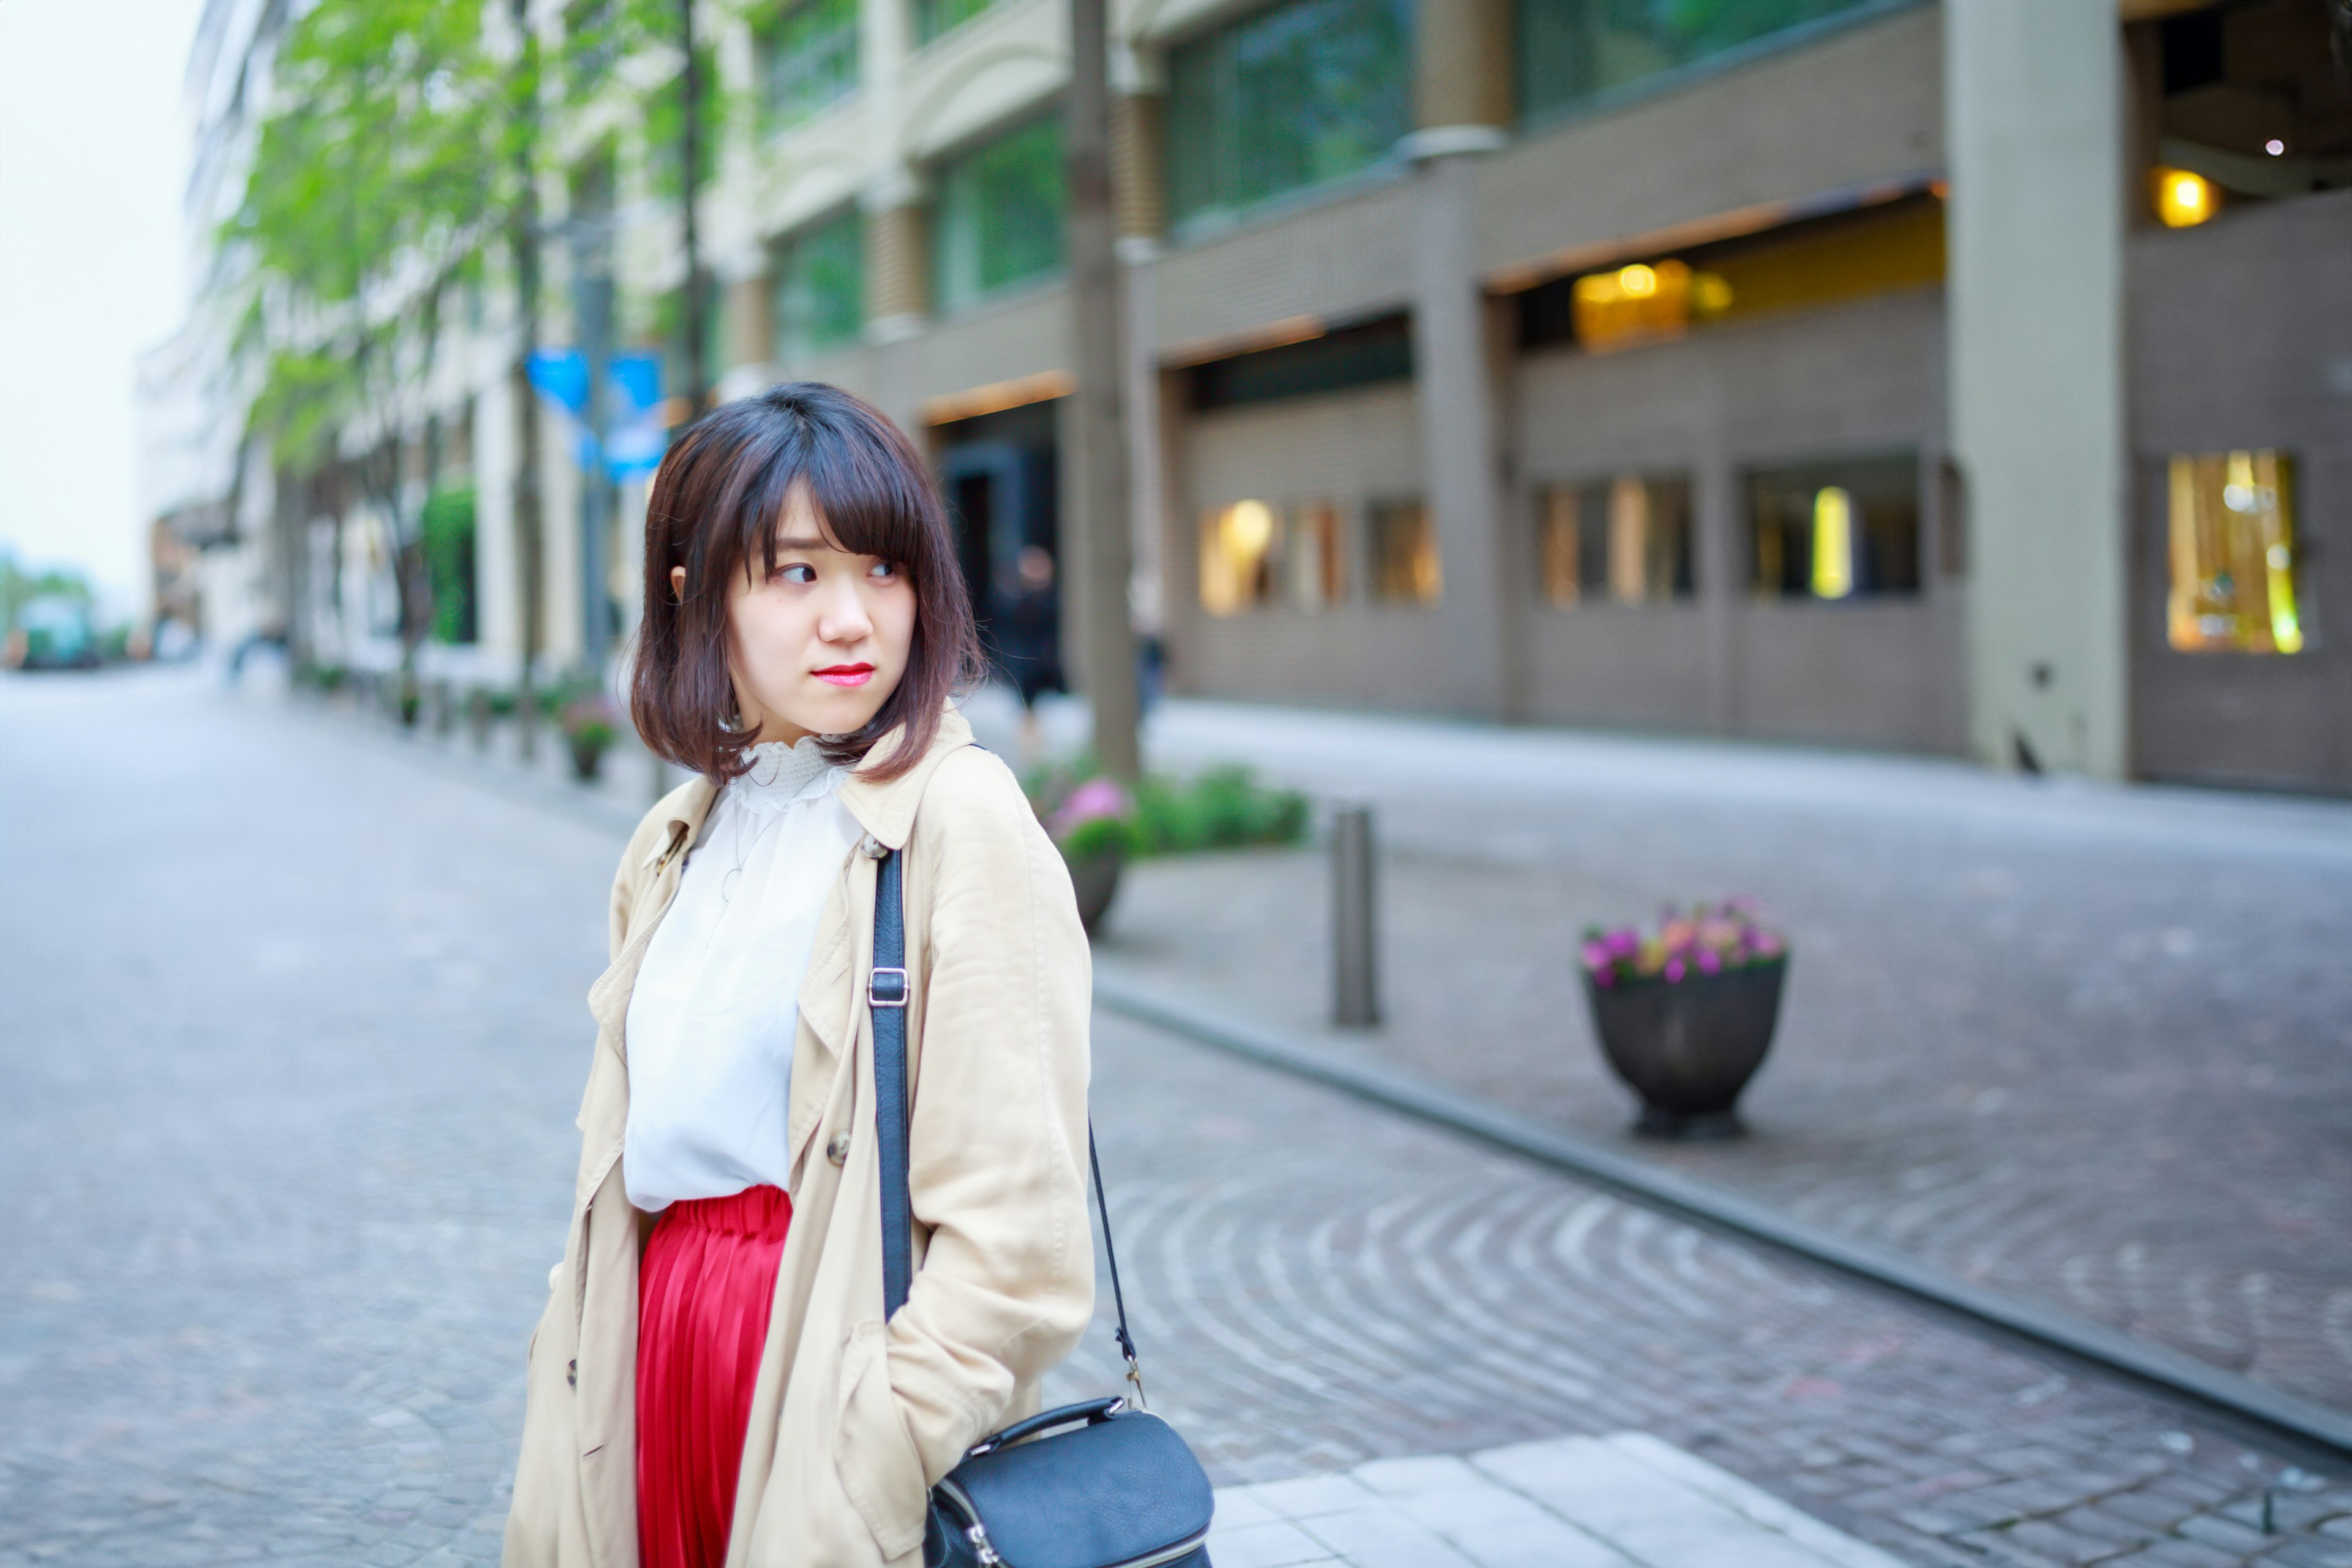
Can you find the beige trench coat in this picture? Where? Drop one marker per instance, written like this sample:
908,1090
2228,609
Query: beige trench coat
852,1419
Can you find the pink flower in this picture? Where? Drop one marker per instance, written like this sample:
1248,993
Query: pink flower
1673,969
1596,956
1604,978
1709,961
1092,800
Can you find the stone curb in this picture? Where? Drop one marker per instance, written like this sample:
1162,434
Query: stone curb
2275,1412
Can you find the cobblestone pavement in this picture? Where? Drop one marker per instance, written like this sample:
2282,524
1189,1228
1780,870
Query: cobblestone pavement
293,1034
2085,1045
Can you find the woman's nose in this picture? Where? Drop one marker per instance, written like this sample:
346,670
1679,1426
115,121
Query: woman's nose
843,617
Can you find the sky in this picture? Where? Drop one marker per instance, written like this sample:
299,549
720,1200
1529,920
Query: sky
94,155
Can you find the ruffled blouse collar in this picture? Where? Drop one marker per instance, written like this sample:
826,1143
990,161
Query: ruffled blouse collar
781,776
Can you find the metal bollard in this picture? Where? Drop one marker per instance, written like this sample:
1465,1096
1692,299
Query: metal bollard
1355,943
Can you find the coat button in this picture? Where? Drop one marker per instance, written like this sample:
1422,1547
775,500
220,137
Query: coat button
838,1150
571,1373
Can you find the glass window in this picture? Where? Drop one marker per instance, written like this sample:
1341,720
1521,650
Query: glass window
1574,52
2233,560
1316,563
806,55
933,17
1299,93
1627,538
1237,557
819,277
589,42
999,218
1405,553
1322,360
1840,529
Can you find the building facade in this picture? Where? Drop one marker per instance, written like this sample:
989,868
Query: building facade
1972,378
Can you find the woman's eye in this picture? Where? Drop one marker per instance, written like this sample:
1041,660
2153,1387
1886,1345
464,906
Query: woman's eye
883,571
797,572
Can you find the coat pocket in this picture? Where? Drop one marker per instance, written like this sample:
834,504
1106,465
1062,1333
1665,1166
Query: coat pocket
872,1453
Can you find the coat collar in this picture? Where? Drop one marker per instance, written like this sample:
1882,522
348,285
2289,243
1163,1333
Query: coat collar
884,808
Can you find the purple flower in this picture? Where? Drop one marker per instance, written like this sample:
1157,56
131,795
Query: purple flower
1091,801
1604,978
1624,942
1674,970
1709,961
1596,956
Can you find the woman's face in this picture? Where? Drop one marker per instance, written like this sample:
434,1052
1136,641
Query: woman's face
817,647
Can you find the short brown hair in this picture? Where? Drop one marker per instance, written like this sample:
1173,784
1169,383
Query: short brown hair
718,496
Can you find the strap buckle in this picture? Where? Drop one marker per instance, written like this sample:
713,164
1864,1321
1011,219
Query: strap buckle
895,995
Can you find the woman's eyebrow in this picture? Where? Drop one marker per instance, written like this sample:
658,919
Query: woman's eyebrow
802,541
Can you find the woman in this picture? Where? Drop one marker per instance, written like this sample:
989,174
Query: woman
712,1381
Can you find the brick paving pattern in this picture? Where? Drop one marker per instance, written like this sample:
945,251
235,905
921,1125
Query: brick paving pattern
2086,1046
294,1035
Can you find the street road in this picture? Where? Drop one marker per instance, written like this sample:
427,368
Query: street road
291,1036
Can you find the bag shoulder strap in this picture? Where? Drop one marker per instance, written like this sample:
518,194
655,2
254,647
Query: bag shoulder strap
886,995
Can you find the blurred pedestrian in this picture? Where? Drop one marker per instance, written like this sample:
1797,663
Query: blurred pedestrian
1028,637
714,1360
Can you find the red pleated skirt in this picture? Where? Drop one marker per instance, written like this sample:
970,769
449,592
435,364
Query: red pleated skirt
704,1291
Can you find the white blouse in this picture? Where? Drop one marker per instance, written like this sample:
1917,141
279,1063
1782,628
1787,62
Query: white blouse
712,1019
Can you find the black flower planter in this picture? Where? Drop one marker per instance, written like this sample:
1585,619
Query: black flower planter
1688,1048
587,760
1095,878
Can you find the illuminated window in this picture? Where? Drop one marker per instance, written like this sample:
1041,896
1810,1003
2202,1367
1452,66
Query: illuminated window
1237,557
2232,539
1626,539
1836,530
1254,553
1315,565
1405,553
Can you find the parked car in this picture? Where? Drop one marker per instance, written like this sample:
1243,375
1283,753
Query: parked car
54,631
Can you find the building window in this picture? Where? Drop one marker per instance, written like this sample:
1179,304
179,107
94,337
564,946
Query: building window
1305,91
1833,530
1403,554
933,17
819,277
1317,359
1875,248
1237,557
1573,53
806,55
999,218
448,528
2233,547
591,40
1626,539
1316,562
1255,553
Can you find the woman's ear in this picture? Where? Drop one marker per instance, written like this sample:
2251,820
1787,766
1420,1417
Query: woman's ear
677,585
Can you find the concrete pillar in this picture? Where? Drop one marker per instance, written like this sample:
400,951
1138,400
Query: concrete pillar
749,332
2033,102
1140,212
1461,100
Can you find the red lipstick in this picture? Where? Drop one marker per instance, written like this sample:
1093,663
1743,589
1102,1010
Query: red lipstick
846,674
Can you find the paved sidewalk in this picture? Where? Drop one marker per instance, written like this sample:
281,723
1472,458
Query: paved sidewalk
2083,1045
293,1042
1623,1501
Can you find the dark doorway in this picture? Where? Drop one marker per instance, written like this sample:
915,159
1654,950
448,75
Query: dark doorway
1001,475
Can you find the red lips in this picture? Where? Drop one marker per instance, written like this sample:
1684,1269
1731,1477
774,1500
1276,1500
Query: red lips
846,674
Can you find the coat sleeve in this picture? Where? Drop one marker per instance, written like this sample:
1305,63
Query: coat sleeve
998,1127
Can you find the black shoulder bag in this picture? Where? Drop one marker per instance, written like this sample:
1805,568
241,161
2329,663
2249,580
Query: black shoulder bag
1101,1484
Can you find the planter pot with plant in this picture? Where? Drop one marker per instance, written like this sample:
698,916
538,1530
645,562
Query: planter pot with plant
1094,828
1685,1013
590,724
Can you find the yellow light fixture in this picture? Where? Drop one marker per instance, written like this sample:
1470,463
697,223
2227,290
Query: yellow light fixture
2184,200
1832,543
1638,281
